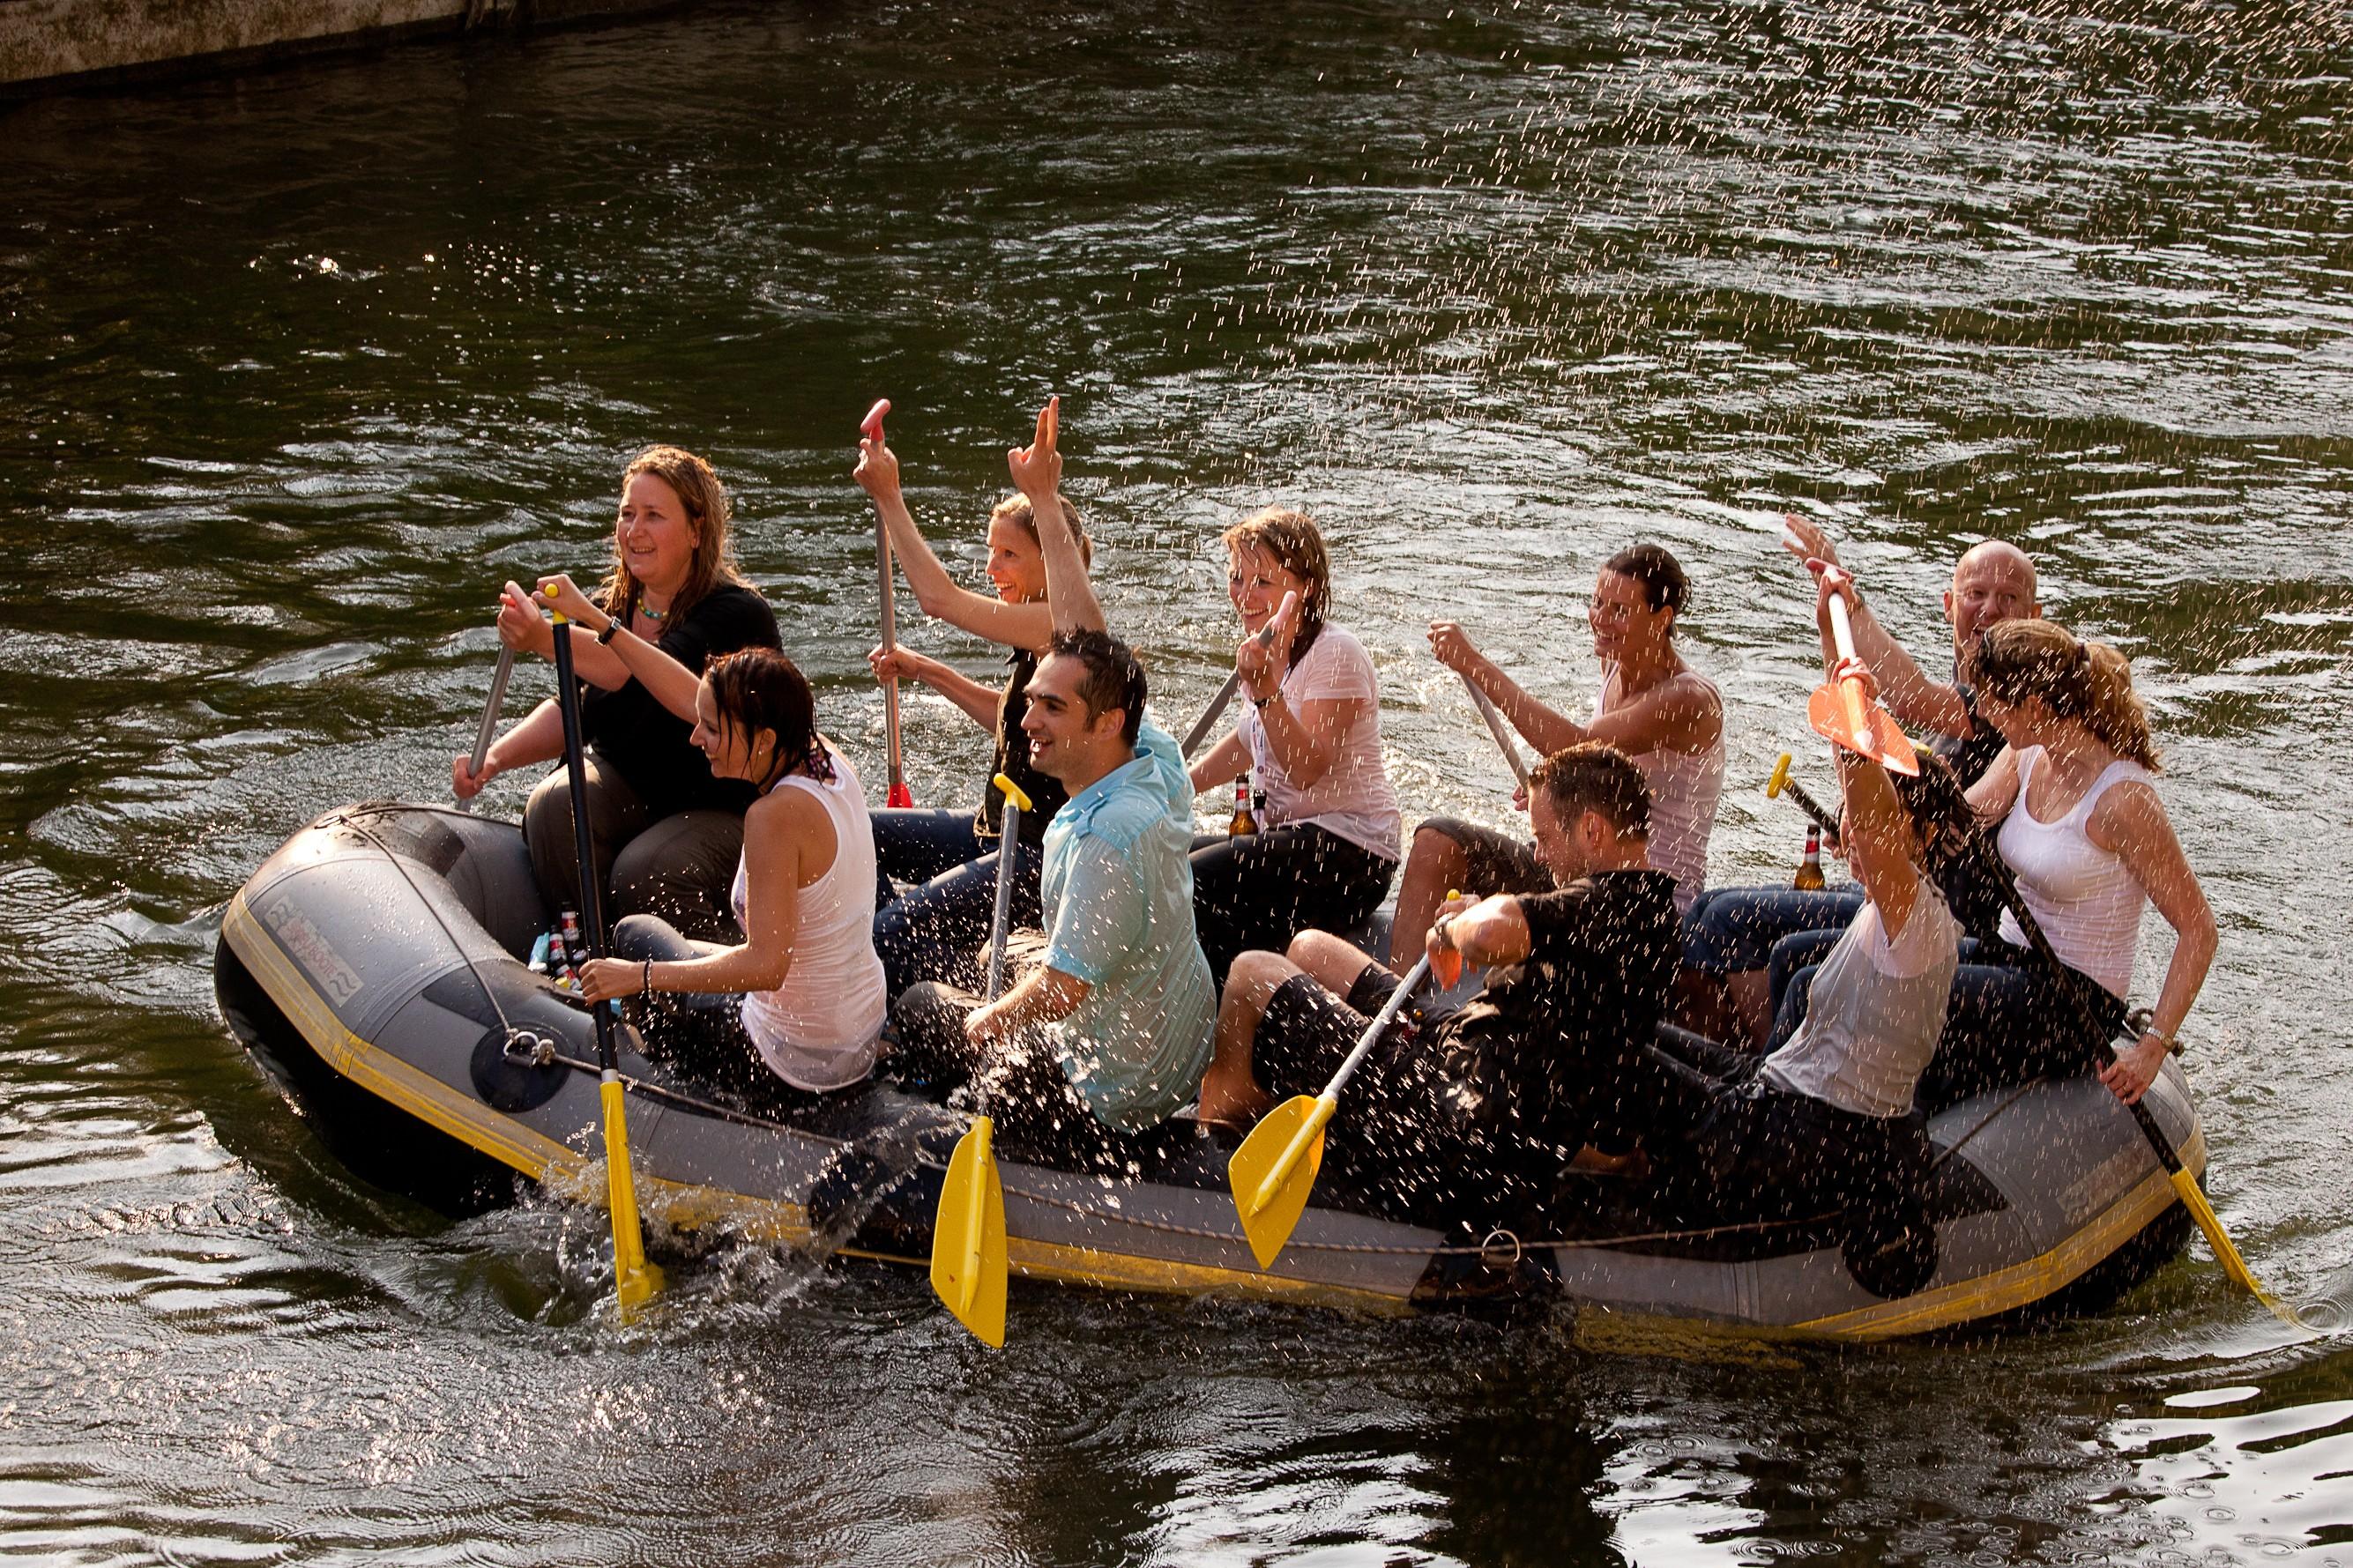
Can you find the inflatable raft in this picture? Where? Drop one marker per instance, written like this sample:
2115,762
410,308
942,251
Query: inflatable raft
376,964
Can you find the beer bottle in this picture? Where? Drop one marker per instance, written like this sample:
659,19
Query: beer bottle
1810,869
568,960
1245,819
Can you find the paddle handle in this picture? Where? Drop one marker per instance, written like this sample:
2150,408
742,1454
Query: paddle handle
1781,783
1211,714
898,795
1487,711
498,699
1008,845
1396,1004
1858,710
1225,696
584,845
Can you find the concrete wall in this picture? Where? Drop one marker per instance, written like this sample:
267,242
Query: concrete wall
47,44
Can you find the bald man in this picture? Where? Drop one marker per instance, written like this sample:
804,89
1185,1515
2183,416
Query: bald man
1992,581
1743,946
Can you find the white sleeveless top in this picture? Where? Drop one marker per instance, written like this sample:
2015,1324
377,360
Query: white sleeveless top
2080,894
818,1029
1684,788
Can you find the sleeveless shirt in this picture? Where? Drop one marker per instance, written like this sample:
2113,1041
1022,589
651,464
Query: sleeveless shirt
2080,894
818,1030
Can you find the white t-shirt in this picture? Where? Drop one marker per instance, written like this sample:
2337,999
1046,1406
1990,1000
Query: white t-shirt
1353,800
1875,1013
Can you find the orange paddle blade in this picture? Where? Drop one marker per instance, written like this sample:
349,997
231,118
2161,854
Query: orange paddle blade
1838,715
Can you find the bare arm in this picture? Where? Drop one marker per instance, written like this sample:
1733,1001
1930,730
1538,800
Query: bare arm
788,843
2130,822
1029,627
669,682
1226,762
1043,996
977,702
1910,695
538,737
1037,471
1544,728
1490,933
1996,790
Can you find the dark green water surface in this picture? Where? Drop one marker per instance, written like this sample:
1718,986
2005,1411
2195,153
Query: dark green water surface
294,368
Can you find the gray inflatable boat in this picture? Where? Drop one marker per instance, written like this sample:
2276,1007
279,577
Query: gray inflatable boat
376,964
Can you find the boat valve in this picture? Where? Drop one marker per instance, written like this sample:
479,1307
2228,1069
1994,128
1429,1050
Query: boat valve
530,1045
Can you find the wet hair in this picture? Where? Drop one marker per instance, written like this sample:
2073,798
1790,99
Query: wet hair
705,499
1297,546
1596,776
2087,683
1018,510
1953,852
1115,677
1664,587
757,689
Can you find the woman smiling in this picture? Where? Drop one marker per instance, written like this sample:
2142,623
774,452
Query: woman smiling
666,832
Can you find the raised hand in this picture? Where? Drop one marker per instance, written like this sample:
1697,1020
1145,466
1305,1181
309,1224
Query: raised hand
1453,646
878,469
1037,469
1807,540
1265,653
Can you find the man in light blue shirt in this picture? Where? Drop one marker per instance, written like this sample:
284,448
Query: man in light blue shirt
1110,1033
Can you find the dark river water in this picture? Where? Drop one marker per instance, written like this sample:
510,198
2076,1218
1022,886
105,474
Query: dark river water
296,367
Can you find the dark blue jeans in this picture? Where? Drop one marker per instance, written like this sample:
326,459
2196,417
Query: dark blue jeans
937,931
1729,930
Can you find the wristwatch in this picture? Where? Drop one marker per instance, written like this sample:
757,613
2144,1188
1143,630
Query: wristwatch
612,625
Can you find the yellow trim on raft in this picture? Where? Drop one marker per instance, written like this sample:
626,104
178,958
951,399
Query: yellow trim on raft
685,1205
467,1119
2021,1284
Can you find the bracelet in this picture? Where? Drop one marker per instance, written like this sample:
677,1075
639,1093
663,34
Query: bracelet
612,625
646,981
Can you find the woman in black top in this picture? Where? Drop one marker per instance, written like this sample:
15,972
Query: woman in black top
667,835
935,931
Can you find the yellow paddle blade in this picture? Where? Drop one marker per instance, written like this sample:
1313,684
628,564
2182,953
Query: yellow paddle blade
634,1280
1274,1171
968,1237
2225,1253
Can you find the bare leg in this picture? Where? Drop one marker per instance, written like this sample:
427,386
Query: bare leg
1229,1093
1436,864
1752,1005
1329,962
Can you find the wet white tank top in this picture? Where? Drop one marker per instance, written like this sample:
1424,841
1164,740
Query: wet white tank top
818,1029
2080,894
1684,788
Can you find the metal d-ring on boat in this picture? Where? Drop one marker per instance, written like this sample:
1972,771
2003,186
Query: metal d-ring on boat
375,962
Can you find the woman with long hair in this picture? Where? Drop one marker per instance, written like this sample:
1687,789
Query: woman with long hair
934,932
1653,706
1310,738
799,999
2091,847
666,832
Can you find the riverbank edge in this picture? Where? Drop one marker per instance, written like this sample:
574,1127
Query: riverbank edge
53,47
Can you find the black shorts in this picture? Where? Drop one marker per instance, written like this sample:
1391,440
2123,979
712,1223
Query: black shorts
1307,1032
1497,862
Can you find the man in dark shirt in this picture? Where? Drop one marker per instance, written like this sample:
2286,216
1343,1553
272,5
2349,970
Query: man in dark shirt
1469,1115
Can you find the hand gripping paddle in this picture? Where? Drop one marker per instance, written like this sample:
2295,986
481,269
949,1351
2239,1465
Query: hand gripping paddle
1218,704
968,1234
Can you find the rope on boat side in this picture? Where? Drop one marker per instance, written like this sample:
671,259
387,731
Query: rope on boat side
548,1056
